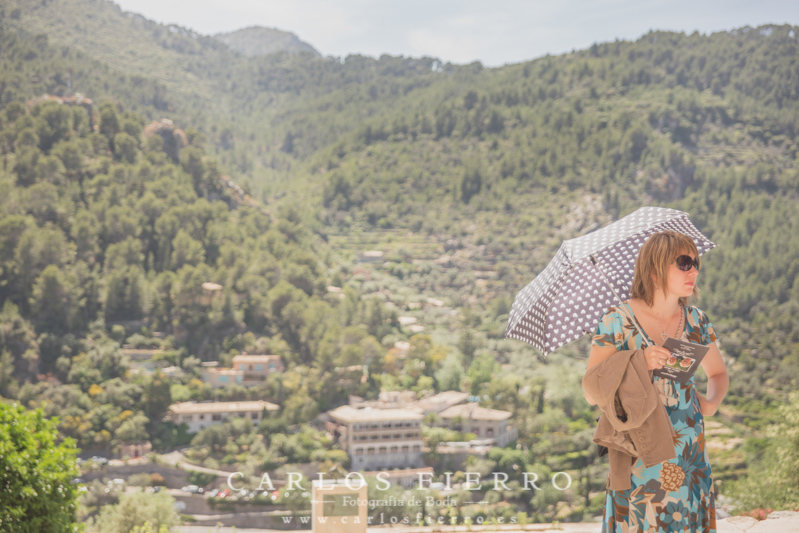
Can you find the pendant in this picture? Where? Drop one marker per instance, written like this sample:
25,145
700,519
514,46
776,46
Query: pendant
664,336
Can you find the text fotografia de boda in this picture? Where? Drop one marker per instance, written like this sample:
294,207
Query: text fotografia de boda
354,480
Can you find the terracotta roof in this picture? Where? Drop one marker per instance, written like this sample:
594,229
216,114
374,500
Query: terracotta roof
345,413
472,411
222,407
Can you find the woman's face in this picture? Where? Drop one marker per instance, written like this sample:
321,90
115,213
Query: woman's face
679,282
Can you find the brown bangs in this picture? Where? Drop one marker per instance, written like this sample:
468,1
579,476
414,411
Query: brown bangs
653,261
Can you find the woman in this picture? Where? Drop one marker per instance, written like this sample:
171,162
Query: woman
675,495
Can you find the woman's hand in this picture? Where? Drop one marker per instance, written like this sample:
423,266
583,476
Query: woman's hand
656,357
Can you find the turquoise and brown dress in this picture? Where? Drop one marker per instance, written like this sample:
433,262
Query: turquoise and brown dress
675,495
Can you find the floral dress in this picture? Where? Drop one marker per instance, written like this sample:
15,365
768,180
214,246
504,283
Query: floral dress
675,495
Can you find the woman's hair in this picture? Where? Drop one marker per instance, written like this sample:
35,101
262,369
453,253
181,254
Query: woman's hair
658,252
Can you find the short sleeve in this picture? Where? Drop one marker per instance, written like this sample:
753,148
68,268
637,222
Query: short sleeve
699,329
706,328
609,331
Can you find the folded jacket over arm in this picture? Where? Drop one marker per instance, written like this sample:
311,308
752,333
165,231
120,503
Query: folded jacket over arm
634,422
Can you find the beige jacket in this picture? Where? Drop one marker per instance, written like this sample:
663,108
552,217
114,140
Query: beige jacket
621,386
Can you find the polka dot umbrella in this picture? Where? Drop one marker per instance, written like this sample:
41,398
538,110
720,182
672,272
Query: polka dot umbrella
586,277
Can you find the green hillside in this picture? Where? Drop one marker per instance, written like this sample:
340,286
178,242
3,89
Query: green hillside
125,42
277,172
260,41
110,225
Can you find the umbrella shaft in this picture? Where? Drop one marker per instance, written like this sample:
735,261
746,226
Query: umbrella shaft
621,302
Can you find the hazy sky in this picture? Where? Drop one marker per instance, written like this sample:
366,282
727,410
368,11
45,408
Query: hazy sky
494,32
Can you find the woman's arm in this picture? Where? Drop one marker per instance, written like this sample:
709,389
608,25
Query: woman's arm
596,356
718,381
599,354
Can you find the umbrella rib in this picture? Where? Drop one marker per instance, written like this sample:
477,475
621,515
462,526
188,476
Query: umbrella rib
601,273
571,267
555,295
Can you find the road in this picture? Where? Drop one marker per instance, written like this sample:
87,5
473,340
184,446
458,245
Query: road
177,459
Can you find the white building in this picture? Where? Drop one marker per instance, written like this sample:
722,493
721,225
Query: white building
257,367
222,377
385,400
379,439
441,401
200,415
490,425
247,370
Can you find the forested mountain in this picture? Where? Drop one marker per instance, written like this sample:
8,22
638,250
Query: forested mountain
125,42
260,41
115,211
111,224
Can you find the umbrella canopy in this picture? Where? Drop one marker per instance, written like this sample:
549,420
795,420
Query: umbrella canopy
584,278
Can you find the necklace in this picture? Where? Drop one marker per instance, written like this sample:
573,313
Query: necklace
664,335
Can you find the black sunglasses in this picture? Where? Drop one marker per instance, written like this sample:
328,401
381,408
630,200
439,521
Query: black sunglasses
685,262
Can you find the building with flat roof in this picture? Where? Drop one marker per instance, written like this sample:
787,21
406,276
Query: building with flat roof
247,370
487,424
378,439
200,415
257,367
222,377
441,401
386,400
134,450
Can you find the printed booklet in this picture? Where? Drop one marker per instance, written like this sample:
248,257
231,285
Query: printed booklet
684,360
